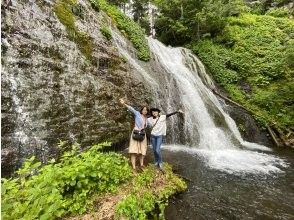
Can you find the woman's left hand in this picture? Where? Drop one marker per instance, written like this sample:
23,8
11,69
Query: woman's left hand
181,111
122,101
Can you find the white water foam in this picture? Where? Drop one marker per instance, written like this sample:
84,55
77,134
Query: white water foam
235,161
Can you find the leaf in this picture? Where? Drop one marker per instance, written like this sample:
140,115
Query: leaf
73,183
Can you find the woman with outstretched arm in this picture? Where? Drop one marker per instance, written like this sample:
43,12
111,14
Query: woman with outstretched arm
158,124
137,148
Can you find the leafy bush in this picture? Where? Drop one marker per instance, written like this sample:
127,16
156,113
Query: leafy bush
217,58
145,197
137,207
56,189
256,50
126,25
279,12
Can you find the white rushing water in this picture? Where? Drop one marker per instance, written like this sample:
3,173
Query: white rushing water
209,131
217,145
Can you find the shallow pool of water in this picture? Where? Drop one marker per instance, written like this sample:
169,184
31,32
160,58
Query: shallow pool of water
232,185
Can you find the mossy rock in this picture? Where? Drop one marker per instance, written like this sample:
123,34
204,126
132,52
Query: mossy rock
64,11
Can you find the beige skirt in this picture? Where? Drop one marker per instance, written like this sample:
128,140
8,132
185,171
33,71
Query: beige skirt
137,147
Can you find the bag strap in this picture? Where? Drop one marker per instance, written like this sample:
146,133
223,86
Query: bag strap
144,120
155,124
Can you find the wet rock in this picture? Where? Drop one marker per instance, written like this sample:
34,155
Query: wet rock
8,161
248,127
52,91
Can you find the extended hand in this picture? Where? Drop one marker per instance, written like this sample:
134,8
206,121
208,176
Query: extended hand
181,111
122,101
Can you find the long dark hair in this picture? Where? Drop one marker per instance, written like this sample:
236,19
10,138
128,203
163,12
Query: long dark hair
141,110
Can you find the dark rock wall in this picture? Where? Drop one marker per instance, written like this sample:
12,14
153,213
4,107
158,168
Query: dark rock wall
51,91
248,128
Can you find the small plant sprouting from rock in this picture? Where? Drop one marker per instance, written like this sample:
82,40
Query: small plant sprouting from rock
64,12
106,32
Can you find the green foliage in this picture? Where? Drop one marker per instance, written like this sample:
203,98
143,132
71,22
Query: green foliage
135,207
128,27
217,58
182,21
140,201
259,51
63,9
290,54
278,7
106,32
139,9
279,12
145,197
118,3
56,189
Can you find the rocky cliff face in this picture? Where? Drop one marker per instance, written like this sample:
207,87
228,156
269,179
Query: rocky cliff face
53,88
62,79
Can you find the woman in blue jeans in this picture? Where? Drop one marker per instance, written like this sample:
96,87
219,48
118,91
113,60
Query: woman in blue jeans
158,124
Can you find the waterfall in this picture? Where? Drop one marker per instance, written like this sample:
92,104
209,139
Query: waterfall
212,133
177,79
200,128
204,115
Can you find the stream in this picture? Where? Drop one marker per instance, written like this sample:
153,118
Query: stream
216,194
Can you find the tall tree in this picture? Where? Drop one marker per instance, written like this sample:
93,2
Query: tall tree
140,13
140,9
183,20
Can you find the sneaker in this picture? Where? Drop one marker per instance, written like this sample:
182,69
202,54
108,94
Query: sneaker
160,166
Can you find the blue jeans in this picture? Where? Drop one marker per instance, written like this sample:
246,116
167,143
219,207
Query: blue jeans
156,142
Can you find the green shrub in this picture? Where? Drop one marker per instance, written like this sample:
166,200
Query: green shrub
279,12
56,189
256,50
127,26
290,55
136,207
143,199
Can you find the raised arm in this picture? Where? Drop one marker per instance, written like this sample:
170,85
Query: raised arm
173,113
130,108
122,101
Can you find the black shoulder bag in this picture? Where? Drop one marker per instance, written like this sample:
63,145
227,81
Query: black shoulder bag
139,135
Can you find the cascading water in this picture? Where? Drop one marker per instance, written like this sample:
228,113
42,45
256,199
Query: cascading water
154,78
208,130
